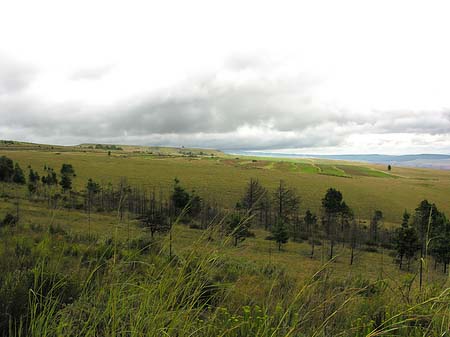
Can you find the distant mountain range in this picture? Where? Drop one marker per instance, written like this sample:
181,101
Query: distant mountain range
437,161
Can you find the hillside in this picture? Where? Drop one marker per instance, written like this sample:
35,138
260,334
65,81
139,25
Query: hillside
10,145
220,177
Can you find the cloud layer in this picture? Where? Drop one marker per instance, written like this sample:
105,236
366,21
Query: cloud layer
312,81
246,104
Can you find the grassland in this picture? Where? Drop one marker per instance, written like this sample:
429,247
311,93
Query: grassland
294,259
222,178
254,289
204,285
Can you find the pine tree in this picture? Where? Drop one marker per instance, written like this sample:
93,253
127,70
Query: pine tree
6,169
280,233
33,181
440,242
238,227
156,221
18,176
183,200
406,241
333,207
66,183
67,169
180,197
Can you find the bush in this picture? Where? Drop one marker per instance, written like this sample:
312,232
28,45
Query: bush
14,290
9,220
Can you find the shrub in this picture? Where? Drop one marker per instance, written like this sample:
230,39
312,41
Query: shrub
9,220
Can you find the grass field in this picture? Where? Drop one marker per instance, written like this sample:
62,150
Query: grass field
250,277
252,290
222,178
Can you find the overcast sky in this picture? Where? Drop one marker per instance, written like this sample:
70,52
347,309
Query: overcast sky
297,76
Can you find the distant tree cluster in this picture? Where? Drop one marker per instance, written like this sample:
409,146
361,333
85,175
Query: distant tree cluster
107,147
11,172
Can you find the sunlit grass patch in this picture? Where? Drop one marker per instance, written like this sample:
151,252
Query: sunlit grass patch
332,170
361,171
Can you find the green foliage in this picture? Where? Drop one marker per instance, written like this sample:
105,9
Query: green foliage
66,183
6,169
310,218
238,227
67,169
332,202
406,241
50,179
18,176
184,201
280,233
156,221
92,187
33,181
180,197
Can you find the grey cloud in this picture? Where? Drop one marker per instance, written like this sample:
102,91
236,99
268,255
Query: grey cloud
212,105
245,105
431,122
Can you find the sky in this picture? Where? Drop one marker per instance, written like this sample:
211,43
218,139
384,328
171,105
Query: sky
309,77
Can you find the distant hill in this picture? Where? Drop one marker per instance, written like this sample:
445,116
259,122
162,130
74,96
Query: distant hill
12,145
437,161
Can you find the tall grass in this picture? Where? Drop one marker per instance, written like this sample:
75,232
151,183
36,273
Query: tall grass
144,292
